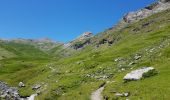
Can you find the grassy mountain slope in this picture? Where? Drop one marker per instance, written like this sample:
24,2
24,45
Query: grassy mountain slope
21,49
151,41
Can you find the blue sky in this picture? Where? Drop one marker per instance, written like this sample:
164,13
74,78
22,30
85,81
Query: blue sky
61,20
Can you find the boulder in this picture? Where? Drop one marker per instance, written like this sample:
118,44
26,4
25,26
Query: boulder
21,84
137,74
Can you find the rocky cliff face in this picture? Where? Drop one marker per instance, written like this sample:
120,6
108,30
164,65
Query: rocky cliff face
135,16
147,11
80,41
164,1
85,35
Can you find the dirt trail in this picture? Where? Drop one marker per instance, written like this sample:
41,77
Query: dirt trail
97,94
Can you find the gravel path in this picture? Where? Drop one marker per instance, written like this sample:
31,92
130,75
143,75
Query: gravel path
32,97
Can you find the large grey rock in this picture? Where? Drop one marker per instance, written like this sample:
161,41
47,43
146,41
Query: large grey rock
137,74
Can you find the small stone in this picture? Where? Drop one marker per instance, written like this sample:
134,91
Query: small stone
126,94
137,57
21,84
119,94
131,63
36,87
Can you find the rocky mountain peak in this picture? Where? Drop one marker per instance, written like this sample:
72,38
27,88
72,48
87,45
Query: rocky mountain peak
80,41
85,35
164,1
147,11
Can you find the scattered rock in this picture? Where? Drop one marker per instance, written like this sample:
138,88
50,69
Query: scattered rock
131,63
36,87
21,84
102,77
9,93
119,59
123,69
137,56
137,74
152,50
126,94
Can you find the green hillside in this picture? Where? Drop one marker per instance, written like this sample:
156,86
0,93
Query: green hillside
68,74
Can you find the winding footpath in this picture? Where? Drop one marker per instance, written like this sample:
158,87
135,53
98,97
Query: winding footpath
97,94
32,97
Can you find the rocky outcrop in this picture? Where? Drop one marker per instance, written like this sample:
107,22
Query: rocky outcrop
8,92
81,41
164,1
11,93
147,11
85,35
